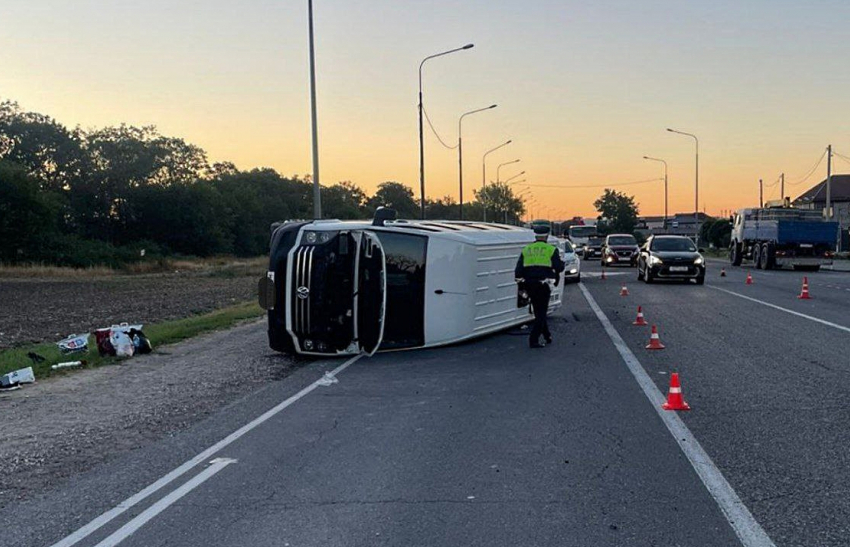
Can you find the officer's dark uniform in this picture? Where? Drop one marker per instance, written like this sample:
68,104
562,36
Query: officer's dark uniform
538,262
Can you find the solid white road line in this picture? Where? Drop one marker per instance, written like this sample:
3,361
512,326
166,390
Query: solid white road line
106,517
749,531
786,310
127,530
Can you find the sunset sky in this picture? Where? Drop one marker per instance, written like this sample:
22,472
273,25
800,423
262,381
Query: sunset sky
585,89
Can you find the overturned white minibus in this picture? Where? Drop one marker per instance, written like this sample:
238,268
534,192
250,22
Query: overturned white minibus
346,287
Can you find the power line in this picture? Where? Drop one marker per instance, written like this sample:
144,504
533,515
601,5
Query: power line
842,156
594,185
431,125
811,171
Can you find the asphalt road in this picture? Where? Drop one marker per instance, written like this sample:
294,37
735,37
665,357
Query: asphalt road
492,443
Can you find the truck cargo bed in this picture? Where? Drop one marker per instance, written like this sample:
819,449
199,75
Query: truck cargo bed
785,232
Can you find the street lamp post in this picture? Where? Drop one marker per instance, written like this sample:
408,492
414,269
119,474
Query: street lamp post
502,165
521,173
421,136
696,185
484,175
665,187
317,195
460,150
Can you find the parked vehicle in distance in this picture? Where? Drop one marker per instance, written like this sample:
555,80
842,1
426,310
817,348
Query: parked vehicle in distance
593,247
620,249
670,257
572,263
773,237
579,236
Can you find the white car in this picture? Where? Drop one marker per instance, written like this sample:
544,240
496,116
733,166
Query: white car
572,263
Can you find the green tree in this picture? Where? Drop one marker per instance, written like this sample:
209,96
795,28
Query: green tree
397,196
445,208
501,202
617,212
344,200
28,215
44,148
720,234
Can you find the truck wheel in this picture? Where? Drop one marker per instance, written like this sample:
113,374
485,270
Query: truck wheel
763,257
770,260
735,254
757,256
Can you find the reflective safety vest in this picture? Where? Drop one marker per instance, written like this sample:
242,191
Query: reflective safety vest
538,253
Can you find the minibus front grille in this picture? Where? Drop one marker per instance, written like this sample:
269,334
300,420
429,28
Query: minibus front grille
303,269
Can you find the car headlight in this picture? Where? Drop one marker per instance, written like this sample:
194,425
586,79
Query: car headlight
573,271
655,260
317,238
698,261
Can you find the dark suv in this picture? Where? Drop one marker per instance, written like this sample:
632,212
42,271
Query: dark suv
671,257
620,249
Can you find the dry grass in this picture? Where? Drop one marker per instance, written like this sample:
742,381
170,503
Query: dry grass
43,271
222,265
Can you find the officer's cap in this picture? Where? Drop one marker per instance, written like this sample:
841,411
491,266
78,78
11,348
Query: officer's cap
542,230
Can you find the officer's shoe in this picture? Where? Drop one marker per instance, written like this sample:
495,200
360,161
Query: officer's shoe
535,344
548,340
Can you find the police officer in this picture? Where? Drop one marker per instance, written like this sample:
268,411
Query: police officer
538,262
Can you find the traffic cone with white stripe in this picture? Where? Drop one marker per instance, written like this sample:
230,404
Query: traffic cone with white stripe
749,279
654,341
624,291
804,294
675,401
722,272
640,321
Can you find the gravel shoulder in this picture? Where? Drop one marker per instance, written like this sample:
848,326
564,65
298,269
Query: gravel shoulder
63,426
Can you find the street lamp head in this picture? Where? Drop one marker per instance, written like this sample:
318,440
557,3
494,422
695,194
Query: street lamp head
468,46
646,157
671,130
493,105
509,142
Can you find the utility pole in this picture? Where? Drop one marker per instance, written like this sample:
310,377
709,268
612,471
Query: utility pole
828,211
317,195
761,194
782,188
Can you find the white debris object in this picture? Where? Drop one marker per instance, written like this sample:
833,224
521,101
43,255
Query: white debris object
68,364
21,376
328,379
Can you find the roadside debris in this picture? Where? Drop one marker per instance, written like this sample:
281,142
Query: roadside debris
14,379
74,343
122,340
68,364
328,380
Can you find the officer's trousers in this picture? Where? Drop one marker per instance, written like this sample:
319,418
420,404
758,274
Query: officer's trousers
539,293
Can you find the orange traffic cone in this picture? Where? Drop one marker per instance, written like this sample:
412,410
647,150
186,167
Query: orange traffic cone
654,341
749,279
603,275
804,294
640,321
722,272
675,401
624,291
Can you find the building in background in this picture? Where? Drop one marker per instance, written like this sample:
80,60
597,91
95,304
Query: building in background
815,198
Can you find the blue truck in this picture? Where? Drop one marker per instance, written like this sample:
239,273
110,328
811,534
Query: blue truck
775,237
